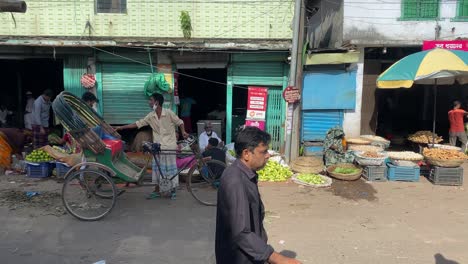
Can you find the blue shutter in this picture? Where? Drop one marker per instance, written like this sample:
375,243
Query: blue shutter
330,89
316,123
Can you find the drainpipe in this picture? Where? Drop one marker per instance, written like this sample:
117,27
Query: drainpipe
292,109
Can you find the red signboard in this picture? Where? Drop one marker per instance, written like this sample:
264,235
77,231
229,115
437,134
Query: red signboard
446,44
256,106
291,95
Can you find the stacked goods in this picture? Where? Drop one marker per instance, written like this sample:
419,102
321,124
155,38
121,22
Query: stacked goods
307,165
424,137
365,148
444,157
274,172
405,155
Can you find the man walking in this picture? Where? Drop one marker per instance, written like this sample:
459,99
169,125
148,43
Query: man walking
162,122
40,119
240,235
457,128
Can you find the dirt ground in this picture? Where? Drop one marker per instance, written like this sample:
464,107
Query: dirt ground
349,222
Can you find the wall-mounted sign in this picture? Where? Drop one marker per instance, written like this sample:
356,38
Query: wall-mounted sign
446,44
291,95
256,106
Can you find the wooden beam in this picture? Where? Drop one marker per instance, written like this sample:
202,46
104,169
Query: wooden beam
13,6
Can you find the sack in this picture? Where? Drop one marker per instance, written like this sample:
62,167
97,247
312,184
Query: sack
156,84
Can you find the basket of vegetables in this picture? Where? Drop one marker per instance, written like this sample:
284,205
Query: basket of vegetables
370,158
312,179
345,171
444,157
274,172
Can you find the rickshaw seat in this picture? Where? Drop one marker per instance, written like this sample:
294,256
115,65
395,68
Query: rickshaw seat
115,145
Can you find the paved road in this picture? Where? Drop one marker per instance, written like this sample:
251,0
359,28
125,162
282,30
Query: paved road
137,231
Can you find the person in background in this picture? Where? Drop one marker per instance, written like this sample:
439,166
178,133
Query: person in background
15,138
163,122
240,235
186,112
4,113
40,119
90,99
335,148
28,110
457,128
206,135
213,151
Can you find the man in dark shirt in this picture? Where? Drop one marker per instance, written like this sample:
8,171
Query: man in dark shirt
213,151
240,235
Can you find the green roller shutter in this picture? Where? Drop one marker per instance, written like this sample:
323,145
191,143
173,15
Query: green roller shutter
73,68
123,97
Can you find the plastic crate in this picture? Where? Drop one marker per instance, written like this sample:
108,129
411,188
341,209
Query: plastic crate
446,176
38,170
375,173
400,173
61,169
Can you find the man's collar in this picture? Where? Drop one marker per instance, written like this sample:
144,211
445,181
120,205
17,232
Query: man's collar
250,173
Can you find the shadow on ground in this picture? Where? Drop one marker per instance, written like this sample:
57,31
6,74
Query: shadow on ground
440,259
353,190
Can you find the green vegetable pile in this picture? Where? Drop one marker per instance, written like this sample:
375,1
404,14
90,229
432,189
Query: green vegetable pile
346,170
61,150
232,152
39,155
310,178
274,172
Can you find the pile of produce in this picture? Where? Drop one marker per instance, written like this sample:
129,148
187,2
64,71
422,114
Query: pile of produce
365,148
404,155
38,155
61,150
311,178
342,170
424,137
274,172
374,138
444,154
371,154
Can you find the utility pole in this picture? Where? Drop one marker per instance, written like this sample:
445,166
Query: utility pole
13,6
292,116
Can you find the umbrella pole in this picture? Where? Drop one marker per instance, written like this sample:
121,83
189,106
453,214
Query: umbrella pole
435,112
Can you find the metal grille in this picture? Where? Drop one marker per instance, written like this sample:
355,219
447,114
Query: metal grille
111,6
420,9
275,117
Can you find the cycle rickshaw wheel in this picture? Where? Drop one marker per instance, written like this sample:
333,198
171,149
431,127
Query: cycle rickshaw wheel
89,194
204,185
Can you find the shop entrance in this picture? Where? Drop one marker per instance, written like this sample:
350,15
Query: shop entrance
20,76
207,99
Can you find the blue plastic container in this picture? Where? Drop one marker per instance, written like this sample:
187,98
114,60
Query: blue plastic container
401,173
61,169
39,170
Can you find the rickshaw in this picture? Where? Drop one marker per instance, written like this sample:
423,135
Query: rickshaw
89,190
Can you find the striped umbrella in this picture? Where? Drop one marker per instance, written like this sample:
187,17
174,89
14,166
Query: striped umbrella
436,65
426,65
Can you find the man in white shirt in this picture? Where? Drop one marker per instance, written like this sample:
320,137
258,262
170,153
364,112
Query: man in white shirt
206,135
28,110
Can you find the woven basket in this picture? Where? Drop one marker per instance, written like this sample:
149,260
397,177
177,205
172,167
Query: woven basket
358,141
366,161
444,163
328,181
307,165
344,177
